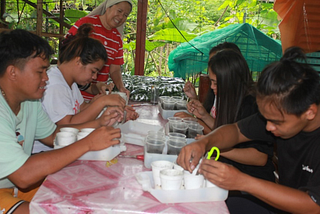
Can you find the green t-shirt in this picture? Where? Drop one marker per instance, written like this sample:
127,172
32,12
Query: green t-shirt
17,134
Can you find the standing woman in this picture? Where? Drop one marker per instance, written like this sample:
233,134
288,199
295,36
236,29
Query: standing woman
113,14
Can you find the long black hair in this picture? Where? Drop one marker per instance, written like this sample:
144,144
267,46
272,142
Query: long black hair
209,100
234,83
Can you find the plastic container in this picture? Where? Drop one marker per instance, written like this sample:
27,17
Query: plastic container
169,104
175,145
134,132
103,155
171,179
157,166
181,105
165,114
150,157
155,145
182,195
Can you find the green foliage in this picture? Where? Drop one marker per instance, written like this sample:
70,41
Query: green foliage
169,23
73,15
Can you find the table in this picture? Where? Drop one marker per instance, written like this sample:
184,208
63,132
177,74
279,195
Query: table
100,187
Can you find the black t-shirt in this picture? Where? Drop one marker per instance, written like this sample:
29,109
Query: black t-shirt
249,107
298,157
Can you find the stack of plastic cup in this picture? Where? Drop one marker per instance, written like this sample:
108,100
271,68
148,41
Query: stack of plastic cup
173,120
195,129
169,104
175,145
180,127
155,142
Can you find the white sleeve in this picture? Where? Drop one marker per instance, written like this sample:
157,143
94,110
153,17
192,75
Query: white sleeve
57,102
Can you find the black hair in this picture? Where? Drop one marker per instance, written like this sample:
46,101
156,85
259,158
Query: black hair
234,83
209,100
81,45
18,46
225,45
290,84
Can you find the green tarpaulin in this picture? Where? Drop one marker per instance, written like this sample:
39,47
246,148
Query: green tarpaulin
257,48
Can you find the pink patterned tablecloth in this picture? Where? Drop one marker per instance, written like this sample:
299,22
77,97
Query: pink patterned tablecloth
107,187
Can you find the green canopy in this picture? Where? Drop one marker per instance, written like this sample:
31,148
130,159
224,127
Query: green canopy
257,48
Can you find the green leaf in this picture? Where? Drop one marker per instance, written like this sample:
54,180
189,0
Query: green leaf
74,15
172,35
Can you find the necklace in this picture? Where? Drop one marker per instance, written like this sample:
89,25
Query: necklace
3,94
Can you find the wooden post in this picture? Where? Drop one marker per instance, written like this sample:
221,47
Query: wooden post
61,20
141,37
204,86
39,18
3,10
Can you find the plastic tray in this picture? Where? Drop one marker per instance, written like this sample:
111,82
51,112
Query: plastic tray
168,113
183,195
150,157
103,155
134,132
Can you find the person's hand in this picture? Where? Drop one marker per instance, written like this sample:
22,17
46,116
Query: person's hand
195,107
182,114
110,116
101,87
123,89
103,137
109,87
190,155
189,90
131,113
223,175
199,136
96,98
114,100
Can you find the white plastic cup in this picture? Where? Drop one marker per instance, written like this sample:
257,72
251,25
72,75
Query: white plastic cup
122,94
209,184
169,104
65,138
194,129
157,166
171,179
155,145
175,145
173,120
81,135
162,98
180,127
156,134
192,181
190,120
69,129
177,98
179,135
181,105
87,130
178,167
